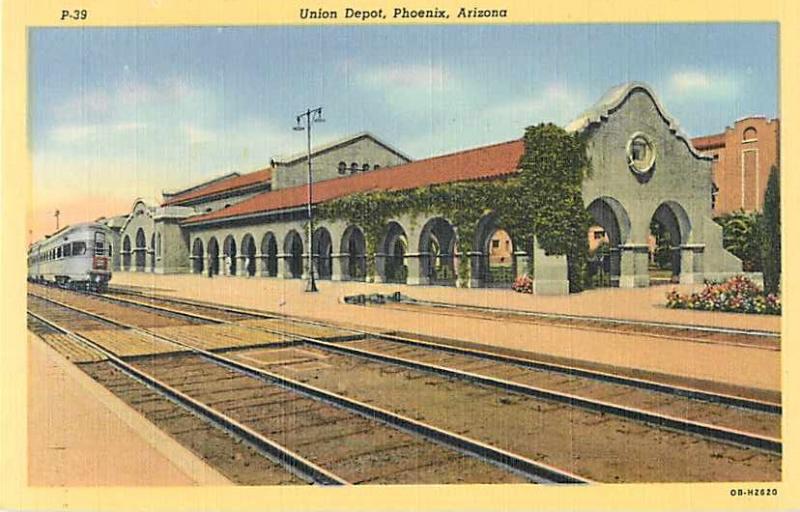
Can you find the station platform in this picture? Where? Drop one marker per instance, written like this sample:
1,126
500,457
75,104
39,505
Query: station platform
80,434
728,365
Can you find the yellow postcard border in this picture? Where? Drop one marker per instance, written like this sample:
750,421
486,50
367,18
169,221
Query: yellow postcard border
15,188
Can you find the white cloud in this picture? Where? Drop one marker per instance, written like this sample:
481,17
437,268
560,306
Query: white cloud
127,96
73,133
197,135
418,76
556,103
689,82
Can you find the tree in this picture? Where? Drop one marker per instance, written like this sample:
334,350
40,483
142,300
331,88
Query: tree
740,236
770,233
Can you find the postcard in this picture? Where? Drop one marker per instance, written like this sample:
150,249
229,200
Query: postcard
379,256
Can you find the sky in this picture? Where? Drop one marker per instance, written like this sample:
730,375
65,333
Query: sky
121,113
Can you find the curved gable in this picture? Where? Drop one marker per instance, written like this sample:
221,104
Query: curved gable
615,98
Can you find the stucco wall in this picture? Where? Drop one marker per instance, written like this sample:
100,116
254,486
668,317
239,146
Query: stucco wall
326,164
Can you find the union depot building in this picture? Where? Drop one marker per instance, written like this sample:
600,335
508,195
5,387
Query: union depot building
644,169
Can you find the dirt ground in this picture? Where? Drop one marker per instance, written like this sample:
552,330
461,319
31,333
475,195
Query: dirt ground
729,365
593,445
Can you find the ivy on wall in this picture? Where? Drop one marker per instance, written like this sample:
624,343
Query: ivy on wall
544,198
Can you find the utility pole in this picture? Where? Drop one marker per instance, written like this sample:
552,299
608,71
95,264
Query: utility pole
310,115
57,215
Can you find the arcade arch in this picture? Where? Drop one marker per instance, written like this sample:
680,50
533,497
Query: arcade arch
269,255
213,256
437,242
353,247
394,248
197,256
229,254
249,254
323,253
141,250
293,250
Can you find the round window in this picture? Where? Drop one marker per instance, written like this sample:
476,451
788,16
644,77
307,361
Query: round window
641,153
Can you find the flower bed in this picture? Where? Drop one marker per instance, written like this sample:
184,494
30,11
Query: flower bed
523,284
738,294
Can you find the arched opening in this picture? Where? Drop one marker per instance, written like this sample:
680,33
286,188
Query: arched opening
669,229
611,229
437,249
355,246
269,251
249,252
293,248
126,253
394,247
229,255
323,250
496,266
141,250
152,252
213,257
197,256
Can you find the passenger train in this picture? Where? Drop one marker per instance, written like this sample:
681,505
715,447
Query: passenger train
75,256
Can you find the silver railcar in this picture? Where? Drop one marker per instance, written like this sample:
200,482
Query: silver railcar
76,256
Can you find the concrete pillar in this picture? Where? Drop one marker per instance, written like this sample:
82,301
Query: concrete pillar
261,265
284,266
241,265
380,268
550,276
339,266
522,263
414,261
691,263
634,260
475,279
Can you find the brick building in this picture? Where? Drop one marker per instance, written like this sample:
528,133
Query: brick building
743,155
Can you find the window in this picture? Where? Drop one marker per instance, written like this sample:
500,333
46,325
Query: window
353,168
58,253
78,248
495,244
158,244
365,167
99,243
67,250
342,168
208,209
599,234
376,166
750,134
714,194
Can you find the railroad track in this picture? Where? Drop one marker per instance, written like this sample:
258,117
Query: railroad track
363,443
456,364
370,352
752,338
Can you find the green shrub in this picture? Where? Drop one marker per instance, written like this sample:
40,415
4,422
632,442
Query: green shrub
770,233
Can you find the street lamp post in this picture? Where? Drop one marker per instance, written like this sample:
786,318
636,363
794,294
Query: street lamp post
310,115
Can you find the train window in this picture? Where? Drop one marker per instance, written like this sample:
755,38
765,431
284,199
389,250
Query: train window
99,243
67,250
78,248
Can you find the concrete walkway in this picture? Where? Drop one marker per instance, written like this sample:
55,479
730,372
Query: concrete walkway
79,434
729,365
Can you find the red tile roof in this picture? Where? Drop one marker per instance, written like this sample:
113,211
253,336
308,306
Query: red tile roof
225,185
709,142
473,164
